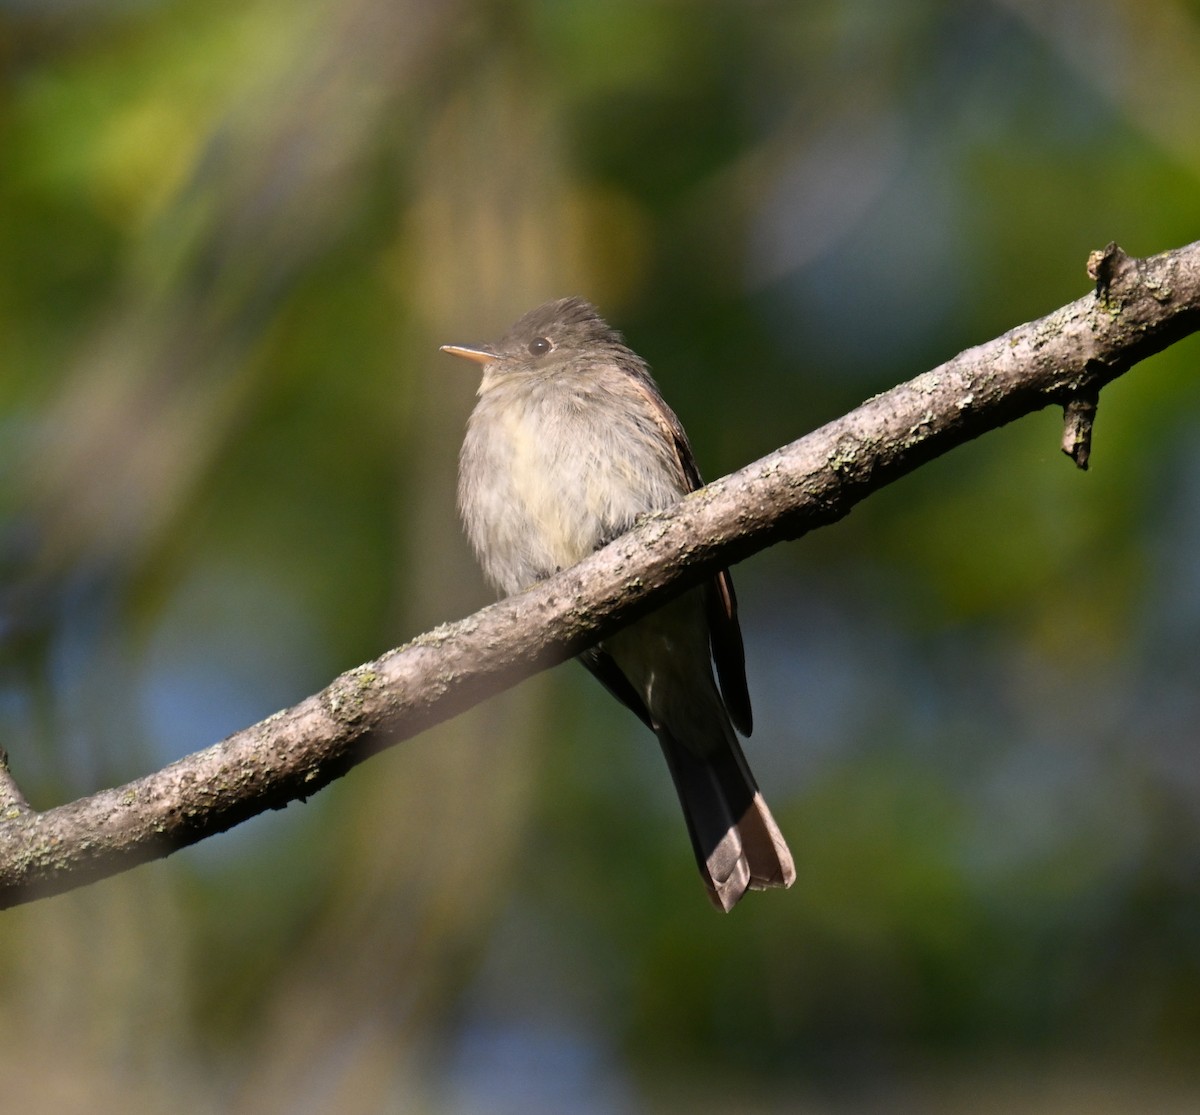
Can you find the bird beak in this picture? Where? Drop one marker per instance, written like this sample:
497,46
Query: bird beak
478,354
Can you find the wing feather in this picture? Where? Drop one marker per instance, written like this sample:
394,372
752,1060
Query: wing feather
725,633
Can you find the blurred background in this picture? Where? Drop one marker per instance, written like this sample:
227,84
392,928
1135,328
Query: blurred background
232,236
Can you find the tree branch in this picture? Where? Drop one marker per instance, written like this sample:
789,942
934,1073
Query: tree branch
1138,308
12,801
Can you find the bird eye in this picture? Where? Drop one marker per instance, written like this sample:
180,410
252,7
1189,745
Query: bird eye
539,346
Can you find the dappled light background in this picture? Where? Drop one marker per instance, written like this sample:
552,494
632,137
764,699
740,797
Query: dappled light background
232,236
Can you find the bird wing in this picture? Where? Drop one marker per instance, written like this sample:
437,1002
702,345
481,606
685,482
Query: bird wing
724,631
605,670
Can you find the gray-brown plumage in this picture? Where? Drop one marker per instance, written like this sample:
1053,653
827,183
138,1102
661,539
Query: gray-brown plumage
569,444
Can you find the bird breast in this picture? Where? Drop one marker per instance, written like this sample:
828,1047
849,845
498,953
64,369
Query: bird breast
551,470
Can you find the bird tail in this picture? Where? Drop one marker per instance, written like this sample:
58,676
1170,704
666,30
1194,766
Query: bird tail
737,843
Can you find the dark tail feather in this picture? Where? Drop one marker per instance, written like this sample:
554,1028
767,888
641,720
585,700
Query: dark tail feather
737,843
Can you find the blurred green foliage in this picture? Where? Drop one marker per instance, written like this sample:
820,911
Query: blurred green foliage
232,237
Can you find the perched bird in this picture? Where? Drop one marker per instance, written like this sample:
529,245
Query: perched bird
569,444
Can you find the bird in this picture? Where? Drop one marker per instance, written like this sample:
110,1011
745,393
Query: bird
570,442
